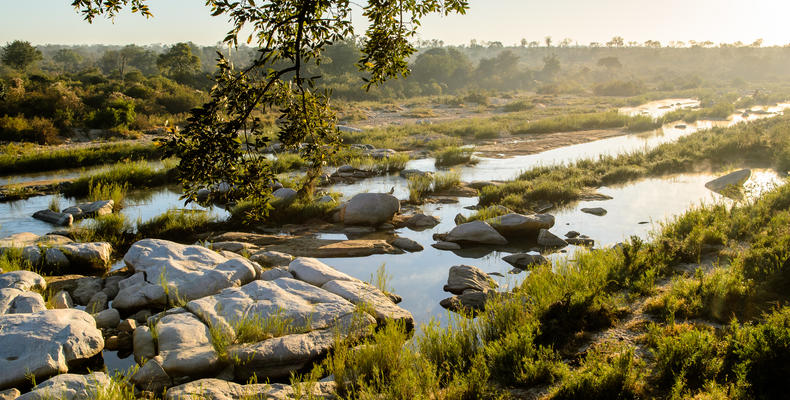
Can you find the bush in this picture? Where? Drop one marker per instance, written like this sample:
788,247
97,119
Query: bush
619,88
453,156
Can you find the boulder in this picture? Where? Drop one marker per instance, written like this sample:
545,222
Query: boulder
151,377
421,221
9,394
271,258
235,247
185,346
86,288
97,303
15,301
572,234
276,273
70,387
442,245
62,300
466,277
22,280
94,256
188,272
407,244
580,241
285,195
315,272
472,301
459,219
475,232
732,180
595,211
90,210
369,209
525,260
107,319
143,344
548,239
56,218
60,252
515,225
45,343
218,389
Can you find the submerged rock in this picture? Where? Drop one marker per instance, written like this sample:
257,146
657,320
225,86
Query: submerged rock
45,343
731,181
442,245
407,244
594,211
422,221
56,218
476,232
369,209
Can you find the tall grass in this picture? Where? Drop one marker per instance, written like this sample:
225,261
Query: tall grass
177,224
138,174
422,185
588,121
15,158
108,191
453,156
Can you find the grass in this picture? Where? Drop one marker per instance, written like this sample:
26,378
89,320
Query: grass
298,211
11,259
452,156
254,328
393,163
588,121
138,174
381,279
423,185
761,142
16,158
54,203
108,191
177,224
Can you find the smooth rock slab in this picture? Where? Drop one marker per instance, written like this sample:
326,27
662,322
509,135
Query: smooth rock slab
476,232
69,387
315,272
190,272
45,343
217,389
363,293
732,180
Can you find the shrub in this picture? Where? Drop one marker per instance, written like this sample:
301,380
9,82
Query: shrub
453,156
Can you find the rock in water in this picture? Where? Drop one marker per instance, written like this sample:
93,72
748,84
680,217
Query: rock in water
595,211
467,277
53,217
548,239
477,232
189,272
732,180
90,210
422,221
512,225
442,245
369,209
525,260
407,244
45,343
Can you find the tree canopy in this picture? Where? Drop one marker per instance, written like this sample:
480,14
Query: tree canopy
223,140
19,54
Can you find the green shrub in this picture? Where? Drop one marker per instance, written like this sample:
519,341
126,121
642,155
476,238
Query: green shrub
453,156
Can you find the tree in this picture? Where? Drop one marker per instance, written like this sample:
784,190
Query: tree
616,41
68,59
178,61
20,55
654,44
223,139
547,40
524,42
610,63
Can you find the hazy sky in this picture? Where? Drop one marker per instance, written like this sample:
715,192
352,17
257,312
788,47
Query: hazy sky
54,21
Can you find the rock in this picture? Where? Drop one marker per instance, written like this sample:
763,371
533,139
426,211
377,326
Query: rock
45,343
361,293
86,288
190,272
235,247
459,219
53,217
22,280
97,303
548,239
25,239
315,272
217,389
580,241
55,259
422,221
70,387
275,273
525,260
476,232
90,210
9,394
481,184
151,377
15,301
572,234
62,300
408,173
185,346
595,211
127,325
93,256
442,245
107,319
466,302
518,225
141,316
143,344
369,209
465,277
407,244
680,126
359,230
271,258
730,181
111,287
325,199
285,195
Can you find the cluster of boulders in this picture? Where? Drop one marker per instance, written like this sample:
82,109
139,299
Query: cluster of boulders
201,340
495,231
74,213
58,253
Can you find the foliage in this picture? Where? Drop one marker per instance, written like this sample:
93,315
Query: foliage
453,156
177,224
20,54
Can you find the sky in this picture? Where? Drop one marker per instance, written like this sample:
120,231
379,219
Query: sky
507,21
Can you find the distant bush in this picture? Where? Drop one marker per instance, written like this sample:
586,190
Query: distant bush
519,105
21,129
180,102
